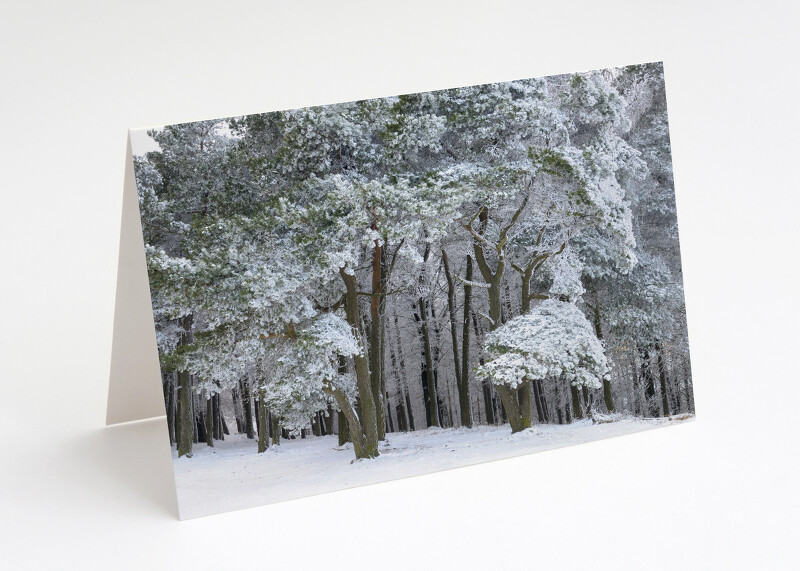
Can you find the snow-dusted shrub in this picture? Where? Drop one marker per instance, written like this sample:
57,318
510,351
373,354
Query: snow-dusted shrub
553,340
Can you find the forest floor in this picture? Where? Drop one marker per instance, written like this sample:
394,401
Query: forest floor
233,476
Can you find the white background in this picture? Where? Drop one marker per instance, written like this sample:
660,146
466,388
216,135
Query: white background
717,493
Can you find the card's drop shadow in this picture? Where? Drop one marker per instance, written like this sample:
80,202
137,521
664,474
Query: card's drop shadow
135,456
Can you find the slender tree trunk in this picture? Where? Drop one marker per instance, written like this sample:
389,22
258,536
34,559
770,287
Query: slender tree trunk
375,328
608,398
461,366
368,419
486,386
650,386
219,428
402,420
169,402
197,427
400,409
488,403
402,374
409,410
329,421
238,410
463,392
441,404
210,421
451,307
428,373
263,424
185,409
636,385
687,391
185,415
344,429
662,378
577,409
389,415
276,429
248,408
537,400
543,398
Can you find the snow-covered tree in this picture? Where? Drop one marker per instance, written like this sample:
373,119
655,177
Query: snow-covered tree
553,341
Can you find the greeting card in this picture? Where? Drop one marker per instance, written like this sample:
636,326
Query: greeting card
350,293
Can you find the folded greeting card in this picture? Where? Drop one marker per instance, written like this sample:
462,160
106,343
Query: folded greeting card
346,294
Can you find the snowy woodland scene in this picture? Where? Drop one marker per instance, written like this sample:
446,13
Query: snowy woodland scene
362,291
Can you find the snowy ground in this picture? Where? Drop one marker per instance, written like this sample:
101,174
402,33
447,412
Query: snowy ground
233,476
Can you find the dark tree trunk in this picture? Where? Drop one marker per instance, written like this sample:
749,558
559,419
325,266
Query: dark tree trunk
409,410
221,424
329,421
356,431
402,375
367,421
428,374
400,409
375,328
185,412
344,429
219,429
263,424
537,399
577,408
169,403
650,383
463,393
185,415
687,390
198,427
598,330
525,403
488,403
508,397
662,379
543,398
441,405
402,422
238,410
248,408
389,415
463,396
276,429
209,424
486,386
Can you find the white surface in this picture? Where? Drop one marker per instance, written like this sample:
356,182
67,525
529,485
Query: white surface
717,493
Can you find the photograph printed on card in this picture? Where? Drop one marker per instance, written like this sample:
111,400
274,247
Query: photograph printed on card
353,293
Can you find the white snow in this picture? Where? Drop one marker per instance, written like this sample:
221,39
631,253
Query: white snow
233,476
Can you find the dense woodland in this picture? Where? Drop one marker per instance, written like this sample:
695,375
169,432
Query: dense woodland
503,253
